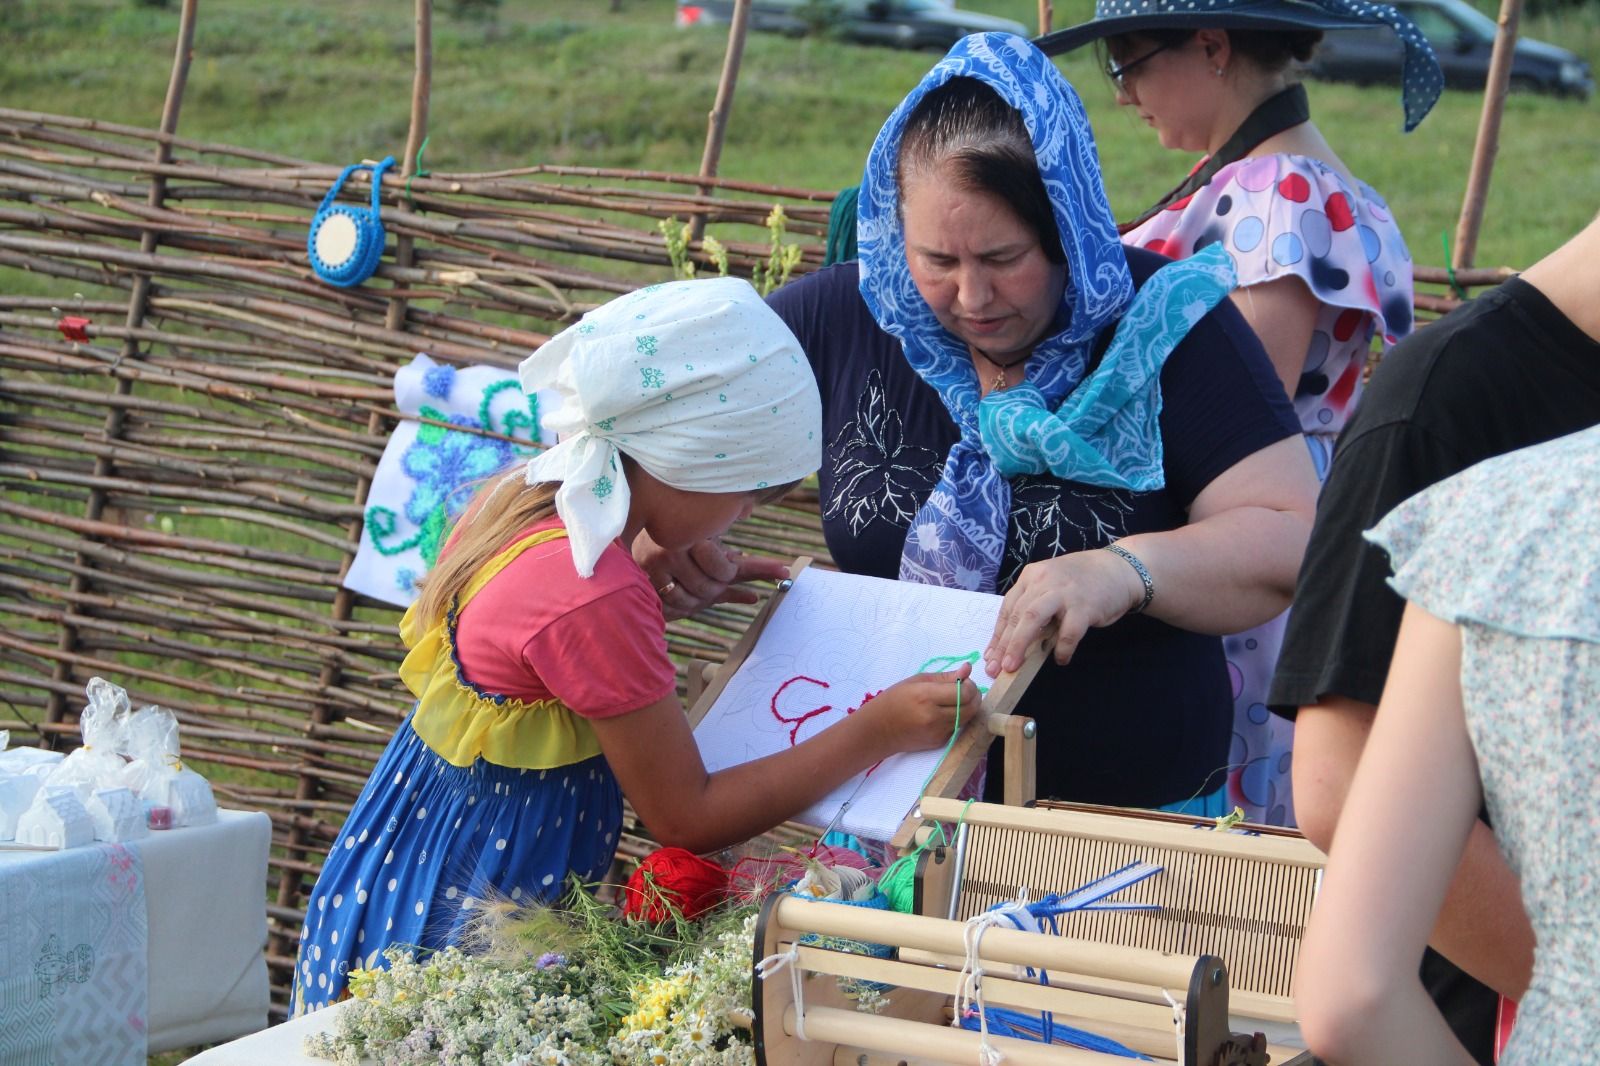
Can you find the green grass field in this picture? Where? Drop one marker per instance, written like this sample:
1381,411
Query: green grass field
568,81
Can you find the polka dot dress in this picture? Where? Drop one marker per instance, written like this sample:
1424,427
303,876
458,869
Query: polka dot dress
1292,216
427,840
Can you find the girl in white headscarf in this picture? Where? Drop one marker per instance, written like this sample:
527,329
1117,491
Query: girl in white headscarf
538,650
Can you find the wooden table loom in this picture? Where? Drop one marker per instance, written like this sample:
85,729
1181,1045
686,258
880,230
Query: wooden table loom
1223,944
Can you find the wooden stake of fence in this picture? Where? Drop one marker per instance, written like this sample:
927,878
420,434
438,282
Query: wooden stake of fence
1046,16
421,90
309,787
717,125
138,302
1488,143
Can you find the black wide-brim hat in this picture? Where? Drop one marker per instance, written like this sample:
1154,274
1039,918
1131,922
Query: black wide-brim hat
1112,17
1420,80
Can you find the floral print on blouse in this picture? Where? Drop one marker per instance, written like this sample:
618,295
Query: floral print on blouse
1510,551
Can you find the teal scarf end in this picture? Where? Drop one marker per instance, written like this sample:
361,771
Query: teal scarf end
1107,431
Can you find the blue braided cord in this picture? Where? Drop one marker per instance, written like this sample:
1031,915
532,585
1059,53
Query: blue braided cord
1086,897
377,181
1020,1026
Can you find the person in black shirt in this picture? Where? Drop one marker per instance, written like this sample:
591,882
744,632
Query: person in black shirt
1517,366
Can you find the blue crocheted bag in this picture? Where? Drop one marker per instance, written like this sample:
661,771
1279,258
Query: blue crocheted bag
345,242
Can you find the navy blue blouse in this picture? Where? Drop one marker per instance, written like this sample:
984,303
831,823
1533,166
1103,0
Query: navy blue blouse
1142,714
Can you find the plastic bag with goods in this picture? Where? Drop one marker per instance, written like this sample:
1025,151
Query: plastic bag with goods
158,776
96,764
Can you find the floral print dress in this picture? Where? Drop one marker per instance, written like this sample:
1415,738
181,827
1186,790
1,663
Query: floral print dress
1509,550
1284,216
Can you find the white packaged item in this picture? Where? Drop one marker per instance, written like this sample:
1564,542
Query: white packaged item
118,815
158,776
56,819
16,796
36,762
97,764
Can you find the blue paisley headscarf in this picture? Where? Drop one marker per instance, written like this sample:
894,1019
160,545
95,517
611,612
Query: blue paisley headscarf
1101,431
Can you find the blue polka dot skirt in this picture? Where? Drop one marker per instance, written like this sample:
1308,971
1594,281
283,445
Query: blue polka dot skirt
427,840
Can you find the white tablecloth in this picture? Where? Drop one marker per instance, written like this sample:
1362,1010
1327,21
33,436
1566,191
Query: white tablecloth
206,925
278,1046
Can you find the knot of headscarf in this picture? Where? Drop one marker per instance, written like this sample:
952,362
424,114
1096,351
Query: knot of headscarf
699,382
1421,80
957,538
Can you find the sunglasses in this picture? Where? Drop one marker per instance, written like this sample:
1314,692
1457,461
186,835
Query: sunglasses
1119,74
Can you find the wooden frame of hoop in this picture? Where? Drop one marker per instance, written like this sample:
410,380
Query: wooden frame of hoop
706,682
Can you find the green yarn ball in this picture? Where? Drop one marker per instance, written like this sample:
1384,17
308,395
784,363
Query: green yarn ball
899,885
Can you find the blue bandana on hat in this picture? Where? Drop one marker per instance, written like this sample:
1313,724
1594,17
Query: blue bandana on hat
1102,430
1421,80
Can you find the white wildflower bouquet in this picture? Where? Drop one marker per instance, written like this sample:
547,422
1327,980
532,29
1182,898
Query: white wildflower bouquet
565,986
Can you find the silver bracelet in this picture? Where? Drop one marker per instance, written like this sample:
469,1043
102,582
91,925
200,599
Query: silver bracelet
1138,568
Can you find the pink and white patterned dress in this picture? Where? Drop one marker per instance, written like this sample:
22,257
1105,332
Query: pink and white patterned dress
1293,216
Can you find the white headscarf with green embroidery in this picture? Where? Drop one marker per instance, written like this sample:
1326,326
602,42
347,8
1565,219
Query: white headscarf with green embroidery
700,382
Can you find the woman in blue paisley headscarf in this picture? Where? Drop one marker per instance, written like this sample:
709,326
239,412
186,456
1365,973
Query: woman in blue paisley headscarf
1016,403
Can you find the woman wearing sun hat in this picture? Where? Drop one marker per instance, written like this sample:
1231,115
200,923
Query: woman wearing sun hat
1322,265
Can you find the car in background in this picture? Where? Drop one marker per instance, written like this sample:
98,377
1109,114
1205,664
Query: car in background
933,24
1463,38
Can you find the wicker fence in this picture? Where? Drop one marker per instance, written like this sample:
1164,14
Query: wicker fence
182,476
189,421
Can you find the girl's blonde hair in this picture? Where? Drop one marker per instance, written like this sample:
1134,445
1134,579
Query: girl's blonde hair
487,526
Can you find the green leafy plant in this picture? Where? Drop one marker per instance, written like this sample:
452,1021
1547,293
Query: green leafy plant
676,236
476,10
821,17
718,253
783,257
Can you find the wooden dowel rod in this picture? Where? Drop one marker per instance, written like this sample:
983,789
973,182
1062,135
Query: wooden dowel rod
717,121
939,1043
1292,850
1487,145
1137,965
1145,1027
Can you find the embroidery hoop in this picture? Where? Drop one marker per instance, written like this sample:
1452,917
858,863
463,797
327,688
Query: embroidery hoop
345,242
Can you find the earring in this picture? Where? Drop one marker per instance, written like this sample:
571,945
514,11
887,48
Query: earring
1217,71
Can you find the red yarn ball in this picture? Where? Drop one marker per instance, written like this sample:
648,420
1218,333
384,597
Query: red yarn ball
673,880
